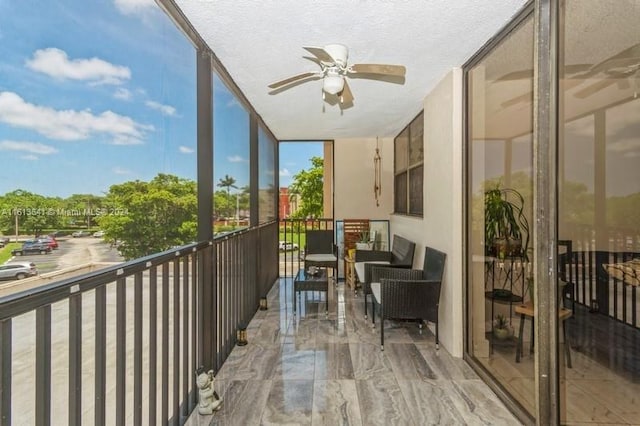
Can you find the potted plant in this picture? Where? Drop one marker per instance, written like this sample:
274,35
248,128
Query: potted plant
501,328
505,225
364,242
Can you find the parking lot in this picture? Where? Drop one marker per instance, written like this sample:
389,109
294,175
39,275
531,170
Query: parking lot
72,252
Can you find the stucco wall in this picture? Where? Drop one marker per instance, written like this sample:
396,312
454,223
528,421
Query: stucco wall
442,224
354,177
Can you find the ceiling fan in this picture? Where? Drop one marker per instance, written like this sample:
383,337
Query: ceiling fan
617,69
332,60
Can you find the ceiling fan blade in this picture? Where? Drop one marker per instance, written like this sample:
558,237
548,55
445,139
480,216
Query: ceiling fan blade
319,53
312,59
525,74
525,97
394,70
346,97
292,79
595,87
516,75
627,57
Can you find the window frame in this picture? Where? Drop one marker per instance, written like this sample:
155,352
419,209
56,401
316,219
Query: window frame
408,209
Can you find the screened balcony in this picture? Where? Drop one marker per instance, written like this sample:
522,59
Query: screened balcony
151,124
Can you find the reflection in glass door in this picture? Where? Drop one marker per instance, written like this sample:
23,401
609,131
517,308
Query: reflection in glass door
599,208
500,101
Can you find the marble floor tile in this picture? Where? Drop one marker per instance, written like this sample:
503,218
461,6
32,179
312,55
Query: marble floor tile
329,370
250,362
444,366
407,362
333,361
478,405
429,404
294,363
290,402
335,402
369,362
382,403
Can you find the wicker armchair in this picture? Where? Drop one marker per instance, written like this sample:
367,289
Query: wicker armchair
400,256
409,293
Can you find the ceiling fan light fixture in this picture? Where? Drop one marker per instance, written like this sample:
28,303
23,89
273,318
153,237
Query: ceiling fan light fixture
333,83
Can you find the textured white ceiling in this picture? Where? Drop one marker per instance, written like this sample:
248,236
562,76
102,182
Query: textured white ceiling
260,42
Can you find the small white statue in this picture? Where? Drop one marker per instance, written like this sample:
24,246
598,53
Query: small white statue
208,399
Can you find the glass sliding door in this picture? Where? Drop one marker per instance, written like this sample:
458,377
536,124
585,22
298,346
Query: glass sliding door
500,206
599,207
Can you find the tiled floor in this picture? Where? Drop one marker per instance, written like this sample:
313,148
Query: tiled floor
329,370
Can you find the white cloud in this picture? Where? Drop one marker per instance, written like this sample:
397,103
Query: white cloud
122,94
285,172
30,157
236,159
55,63
121,171
164,109
131,7
70,125
31,147
186,150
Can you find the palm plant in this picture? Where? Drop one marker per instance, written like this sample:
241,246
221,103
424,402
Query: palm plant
506,227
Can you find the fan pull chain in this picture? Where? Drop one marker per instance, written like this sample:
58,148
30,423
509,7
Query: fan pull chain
377,182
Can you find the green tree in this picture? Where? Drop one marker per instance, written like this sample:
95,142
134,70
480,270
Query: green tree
308,185
33,213
150,217
81,209
227,182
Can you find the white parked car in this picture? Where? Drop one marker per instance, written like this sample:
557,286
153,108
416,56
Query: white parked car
287,245
17,270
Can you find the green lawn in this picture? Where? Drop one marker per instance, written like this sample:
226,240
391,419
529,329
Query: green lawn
5,252
299,239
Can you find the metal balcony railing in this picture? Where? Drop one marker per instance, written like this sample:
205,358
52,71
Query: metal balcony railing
121,345
592,286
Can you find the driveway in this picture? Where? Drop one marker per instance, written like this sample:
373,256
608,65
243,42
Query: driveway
72,252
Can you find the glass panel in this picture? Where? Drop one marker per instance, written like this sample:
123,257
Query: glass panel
500,100
599,201
267,176
400,195
416,177
416,145
97,127
230,160
401,151
302,179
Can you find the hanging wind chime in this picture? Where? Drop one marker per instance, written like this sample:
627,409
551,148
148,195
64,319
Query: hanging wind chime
377,182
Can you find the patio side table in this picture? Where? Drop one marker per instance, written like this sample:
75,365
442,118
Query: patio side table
304,281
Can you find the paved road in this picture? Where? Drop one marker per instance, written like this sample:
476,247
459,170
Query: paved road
72,252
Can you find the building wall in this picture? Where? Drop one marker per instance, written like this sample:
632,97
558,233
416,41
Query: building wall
442,224
354,178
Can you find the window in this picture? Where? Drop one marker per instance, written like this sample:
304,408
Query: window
409,169
231,152
266,176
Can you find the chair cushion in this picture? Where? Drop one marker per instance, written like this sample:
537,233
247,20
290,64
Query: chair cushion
360,268
321,258
375,289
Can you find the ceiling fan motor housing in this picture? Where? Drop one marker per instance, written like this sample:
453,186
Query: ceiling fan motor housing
339,53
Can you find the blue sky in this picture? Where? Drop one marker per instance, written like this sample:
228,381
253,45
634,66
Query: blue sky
295,156
101,92
91,94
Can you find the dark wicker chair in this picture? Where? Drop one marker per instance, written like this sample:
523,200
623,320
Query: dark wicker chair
409,293
320,250
400,256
